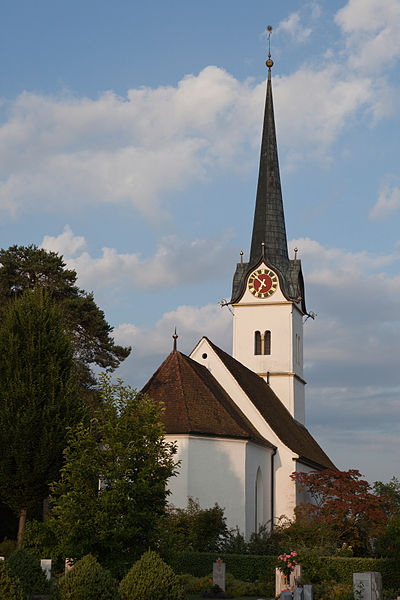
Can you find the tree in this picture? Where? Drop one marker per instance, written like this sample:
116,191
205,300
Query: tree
193,528
38,399
388,543
343,510
123,448
27,267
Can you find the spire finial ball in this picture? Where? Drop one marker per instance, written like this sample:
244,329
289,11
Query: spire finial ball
269,63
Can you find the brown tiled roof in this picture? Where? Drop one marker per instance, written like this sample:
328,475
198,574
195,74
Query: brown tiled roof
196,403
294,435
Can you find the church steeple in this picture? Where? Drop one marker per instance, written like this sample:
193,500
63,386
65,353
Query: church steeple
269,221
269,242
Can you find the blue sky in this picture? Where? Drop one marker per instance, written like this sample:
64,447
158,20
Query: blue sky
129,142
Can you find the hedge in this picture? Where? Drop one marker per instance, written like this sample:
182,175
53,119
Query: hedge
345,567
248,567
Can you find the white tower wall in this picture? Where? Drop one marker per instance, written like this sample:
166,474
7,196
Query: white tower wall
283,367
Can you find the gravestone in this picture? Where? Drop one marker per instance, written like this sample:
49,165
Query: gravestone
2,558
367,586
45,563
285,595
219,574
298,593
308,593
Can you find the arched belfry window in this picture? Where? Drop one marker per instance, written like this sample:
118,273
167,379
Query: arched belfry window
262,342
259,502
267,342
257,342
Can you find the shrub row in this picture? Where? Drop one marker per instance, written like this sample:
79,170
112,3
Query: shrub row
248,567
345,567
245,567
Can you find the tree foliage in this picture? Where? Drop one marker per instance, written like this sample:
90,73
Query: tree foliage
87,580
28,267
193,528
38,399
343,510
123,448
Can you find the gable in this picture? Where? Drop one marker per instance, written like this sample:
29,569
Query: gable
292,434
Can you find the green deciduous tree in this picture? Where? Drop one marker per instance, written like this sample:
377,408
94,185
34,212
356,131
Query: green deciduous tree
123,447
27,267
38,399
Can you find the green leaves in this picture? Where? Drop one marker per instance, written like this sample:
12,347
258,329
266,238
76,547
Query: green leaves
28,267
112,490
38,397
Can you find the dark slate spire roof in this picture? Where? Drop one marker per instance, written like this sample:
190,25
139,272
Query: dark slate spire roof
195,403
269,220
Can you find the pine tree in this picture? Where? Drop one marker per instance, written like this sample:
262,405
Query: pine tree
39,399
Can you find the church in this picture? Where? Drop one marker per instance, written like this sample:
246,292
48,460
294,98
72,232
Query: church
239,421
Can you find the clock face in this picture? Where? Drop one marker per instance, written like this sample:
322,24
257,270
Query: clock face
263,283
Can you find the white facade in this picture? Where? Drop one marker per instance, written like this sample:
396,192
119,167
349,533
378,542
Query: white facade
234,473
283,366
284,489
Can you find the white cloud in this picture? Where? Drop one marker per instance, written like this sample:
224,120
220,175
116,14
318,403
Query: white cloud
371,28
388,202
293,27
191,323
66,243
357,326
175,262
58,152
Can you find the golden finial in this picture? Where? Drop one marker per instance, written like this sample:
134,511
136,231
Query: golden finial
295,254
269,62
175,337
241,257
262,249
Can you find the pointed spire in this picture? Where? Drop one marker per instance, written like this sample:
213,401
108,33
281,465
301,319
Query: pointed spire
269,221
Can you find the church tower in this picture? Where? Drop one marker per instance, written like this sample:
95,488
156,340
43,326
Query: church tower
268,291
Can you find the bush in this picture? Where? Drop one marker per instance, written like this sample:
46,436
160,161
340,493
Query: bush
87,580
333,591
7,547
150,578
26,567
244,567
10,587
195,585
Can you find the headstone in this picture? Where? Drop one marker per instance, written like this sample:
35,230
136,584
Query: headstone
45,563
2,558
298,593
219,573
308,593
367,586
285,595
